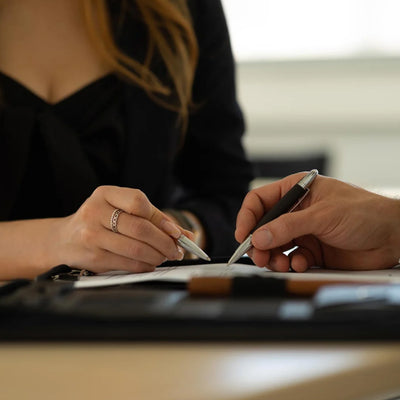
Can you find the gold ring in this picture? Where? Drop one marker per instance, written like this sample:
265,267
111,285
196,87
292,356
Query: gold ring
114,220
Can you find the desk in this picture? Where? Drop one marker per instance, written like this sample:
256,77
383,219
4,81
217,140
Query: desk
195,371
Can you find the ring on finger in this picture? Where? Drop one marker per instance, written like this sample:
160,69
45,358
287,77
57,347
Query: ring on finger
114,220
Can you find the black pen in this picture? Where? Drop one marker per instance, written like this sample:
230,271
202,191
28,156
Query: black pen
286,204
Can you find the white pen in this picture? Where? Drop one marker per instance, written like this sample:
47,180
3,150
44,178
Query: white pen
192,247
172,229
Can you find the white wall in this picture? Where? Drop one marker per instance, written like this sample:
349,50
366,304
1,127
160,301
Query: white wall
349,109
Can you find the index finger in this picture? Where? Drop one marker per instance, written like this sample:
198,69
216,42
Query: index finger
251,211
260,200
134,202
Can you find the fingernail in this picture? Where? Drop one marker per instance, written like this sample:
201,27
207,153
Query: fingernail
262,239
171,229
180,254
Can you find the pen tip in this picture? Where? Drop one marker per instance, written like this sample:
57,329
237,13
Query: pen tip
231,261
201,254
241,250
204,255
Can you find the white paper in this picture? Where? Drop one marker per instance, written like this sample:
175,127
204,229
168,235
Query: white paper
184,273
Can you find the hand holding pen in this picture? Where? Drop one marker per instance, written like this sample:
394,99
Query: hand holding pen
116,228
338,225
250,213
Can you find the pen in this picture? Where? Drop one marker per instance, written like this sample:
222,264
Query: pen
248,286
192,247
286,204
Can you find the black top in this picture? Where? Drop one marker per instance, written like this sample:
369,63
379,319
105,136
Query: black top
42,191
52,157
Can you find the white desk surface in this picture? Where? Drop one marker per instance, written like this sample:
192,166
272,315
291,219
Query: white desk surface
196,371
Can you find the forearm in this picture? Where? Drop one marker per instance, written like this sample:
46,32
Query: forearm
27,248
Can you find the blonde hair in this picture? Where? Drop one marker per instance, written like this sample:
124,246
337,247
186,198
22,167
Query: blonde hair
171,35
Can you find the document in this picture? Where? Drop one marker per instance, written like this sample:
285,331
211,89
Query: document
184,273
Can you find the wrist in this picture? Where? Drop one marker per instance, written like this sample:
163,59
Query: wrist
50,253
28,248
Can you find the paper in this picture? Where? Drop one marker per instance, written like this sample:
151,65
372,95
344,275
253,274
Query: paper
184,273
173,274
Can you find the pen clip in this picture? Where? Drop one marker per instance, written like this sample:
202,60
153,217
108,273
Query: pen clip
299,200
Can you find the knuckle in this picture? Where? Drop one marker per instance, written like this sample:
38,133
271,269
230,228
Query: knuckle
135,251
87,236
86,211
139,202
252,194
248,198
254,197
137,196
100,191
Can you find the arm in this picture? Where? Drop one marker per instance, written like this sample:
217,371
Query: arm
336,226
144,240
83,239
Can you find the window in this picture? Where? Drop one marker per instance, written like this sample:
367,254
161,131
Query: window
313,29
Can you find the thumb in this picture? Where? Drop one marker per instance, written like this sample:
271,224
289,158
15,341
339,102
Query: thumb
283,230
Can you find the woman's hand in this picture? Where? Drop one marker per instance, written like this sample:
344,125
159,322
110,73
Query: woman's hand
337,225
144,240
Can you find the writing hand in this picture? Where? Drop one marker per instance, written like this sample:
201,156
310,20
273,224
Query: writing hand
144,240
337,225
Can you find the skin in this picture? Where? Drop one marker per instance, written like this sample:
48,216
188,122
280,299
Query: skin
53,57
45,46
336,226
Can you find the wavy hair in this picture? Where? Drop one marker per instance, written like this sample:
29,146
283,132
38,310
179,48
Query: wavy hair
171,36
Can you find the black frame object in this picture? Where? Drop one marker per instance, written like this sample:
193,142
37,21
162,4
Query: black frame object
49,308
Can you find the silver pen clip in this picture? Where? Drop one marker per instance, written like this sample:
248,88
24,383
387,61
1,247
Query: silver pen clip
299,200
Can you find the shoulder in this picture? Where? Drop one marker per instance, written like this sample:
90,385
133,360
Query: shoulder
210,25
206,12
209,6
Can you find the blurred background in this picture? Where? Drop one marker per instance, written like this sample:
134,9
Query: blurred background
319,82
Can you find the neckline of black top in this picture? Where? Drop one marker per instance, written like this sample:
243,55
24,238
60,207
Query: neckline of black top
19,94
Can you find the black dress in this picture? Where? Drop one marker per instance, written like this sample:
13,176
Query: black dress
110,132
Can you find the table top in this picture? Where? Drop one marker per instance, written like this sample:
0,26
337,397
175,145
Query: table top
199,371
